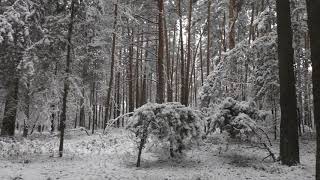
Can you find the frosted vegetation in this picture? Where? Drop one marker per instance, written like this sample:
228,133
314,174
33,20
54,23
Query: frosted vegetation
159,89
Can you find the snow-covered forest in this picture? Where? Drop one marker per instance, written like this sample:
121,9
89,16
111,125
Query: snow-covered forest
160,89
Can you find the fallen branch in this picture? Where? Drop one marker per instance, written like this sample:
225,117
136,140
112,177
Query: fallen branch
271,154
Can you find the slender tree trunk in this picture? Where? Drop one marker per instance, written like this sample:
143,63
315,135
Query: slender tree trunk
118,98
53,106
137,90
168,63
313,7
251,23
307,115
129,75
76,118
160,69
96,106
100,117
232,21
66,81
209,37
173,48
201,61
185,99
93,106
182,63
107,106
289,143
224,43
53,114
274,115
144,85
299,70
82,110
124,97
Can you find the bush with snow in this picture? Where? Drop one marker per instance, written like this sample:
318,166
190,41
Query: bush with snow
239,119
169,122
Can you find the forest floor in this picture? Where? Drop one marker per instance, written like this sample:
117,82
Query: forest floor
113,156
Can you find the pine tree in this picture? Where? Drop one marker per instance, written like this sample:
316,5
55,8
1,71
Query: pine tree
160,64
66,83
313,7
289,144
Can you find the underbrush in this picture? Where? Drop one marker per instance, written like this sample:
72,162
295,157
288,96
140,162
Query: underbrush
76,144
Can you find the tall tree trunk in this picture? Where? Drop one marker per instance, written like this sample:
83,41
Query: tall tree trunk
53,115
182,64
251,36
107,105
82,109
144,93
10,110
118,98
232,21
289,143
168,63
209,37
93,92
224,41
173,49
76,118
137,90
299,71
66,81
185,99
307,115
160,69
129,73
313,7
53,106
27,108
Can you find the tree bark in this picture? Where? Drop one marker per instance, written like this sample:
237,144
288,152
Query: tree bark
168,63
313,7
289,144
182,63
129,73
232,21
201,62
10,111
66,81
82,109
107,105
307,115
160,69
93,92
209,38
137,76
251,24
185,99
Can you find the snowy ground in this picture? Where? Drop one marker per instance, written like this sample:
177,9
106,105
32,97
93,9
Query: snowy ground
113,157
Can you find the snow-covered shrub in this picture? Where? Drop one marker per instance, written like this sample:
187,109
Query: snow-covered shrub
17,148
239,119
170,122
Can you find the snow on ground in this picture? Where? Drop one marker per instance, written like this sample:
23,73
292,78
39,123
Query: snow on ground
113,156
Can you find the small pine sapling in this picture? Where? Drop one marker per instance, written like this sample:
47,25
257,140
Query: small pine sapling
169,122
238,119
